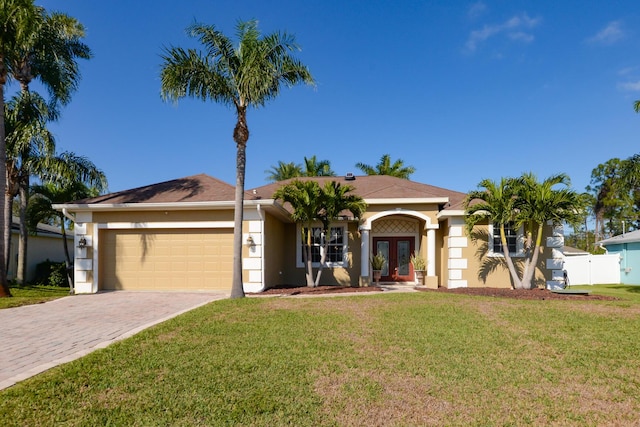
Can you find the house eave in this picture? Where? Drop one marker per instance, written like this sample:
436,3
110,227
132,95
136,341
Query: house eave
406,201
450,213
73,207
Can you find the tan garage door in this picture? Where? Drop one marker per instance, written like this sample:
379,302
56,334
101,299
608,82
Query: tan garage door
166,259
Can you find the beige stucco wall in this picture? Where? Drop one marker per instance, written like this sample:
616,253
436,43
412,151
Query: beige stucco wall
274,251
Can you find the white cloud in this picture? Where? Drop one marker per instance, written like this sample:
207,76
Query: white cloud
630,86
516,28
610,34
476,9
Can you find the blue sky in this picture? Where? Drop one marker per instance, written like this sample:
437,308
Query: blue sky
460,90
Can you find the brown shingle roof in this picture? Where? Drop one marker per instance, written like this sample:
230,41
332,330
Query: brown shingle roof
373,187
196,188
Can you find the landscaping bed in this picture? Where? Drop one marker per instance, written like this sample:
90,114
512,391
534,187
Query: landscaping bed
526,294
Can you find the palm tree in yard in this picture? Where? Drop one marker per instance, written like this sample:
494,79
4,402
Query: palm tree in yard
385,167
17,24
537,204
40,210
27,142
522,202
312,202
304,197
41,46
494,202
245,75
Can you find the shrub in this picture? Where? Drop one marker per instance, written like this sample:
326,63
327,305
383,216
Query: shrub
51,273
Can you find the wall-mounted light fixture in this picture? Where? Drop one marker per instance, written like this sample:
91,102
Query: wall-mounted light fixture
250,241
82,242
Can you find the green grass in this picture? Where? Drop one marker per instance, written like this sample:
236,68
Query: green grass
399,359
627,292
25,295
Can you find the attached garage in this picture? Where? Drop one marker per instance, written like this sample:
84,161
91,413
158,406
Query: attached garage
166,259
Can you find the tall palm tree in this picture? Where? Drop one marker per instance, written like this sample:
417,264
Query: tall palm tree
246,75
524,202
41,210
27,141
283,171
385,167
494,202
315,167
35,45
335,200
18,21
304,198
310,203
537,204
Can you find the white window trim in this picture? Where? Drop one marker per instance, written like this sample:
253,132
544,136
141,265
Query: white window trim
519,244
327,264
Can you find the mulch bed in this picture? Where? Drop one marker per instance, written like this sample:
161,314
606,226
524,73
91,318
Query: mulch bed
533,294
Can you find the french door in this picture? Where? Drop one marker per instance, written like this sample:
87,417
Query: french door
397,251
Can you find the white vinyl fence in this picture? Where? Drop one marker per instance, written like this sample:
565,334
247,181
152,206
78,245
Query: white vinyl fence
592,269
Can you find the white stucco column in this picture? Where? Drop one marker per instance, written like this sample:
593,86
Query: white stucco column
364,252
431,252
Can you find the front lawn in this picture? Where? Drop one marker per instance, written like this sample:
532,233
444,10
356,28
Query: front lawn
400,359
25,295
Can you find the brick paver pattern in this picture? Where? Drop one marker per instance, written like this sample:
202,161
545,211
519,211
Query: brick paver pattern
37,337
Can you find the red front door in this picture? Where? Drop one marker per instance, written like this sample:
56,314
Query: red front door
397,251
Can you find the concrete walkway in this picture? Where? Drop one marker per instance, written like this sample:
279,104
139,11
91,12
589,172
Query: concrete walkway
37,337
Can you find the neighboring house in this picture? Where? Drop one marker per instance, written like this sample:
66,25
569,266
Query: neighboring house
627,247
45,244
178,235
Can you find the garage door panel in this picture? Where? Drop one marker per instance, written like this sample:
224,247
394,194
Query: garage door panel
166,259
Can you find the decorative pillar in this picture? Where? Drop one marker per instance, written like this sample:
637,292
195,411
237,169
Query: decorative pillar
365,280
431,252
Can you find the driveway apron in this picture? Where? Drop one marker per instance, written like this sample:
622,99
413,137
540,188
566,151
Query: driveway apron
37,337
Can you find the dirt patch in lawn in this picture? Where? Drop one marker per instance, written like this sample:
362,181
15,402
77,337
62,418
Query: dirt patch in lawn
526,294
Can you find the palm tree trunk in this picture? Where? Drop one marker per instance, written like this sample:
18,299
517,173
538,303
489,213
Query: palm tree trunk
517,283
4,285
323,259
21,273
237,289
530,269
240,136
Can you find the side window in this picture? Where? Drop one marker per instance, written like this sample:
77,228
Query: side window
512,239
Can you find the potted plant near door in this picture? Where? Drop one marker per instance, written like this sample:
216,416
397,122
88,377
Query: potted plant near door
377,265
419,266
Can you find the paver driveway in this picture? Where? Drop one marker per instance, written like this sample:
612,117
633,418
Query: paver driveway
37,337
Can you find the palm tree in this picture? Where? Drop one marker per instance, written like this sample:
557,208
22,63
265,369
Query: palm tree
335,200
523,202
242,76
283,171
304,197
315,167
310,203
27,141
537,204
636,106
385,167
40,210
34,45
18,19
493,202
